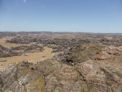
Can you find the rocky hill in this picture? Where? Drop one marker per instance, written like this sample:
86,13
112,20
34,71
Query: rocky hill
81,68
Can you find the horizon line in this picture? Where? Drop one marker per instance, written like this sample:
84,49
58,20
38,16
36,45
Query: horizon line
61,32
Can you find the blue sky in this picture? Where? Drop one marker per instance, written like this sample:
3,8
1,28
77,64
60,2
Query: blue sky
61,15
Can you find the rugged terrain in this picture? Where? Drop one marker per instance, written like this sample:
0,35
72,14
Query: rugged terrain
60,62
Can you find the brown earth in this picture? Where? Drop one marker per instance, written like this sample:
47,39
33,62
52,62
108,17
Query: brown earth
81,67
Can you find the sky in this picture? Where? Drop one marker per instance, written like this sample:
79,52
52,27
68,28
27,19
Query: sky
98,16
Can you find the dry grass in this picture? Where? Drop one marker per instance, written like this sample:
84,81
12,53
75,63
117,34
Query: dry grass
6,44
37,85
30,57
85,52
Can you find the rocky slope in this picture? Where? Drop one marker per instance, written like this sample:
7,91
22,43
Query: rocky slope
88,68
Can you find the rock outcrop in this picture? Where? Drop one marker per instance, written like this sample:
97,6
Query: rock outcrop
86,75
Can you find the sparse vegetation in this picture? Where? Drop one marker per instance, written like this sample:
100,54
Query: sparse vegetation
81,53
60,62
